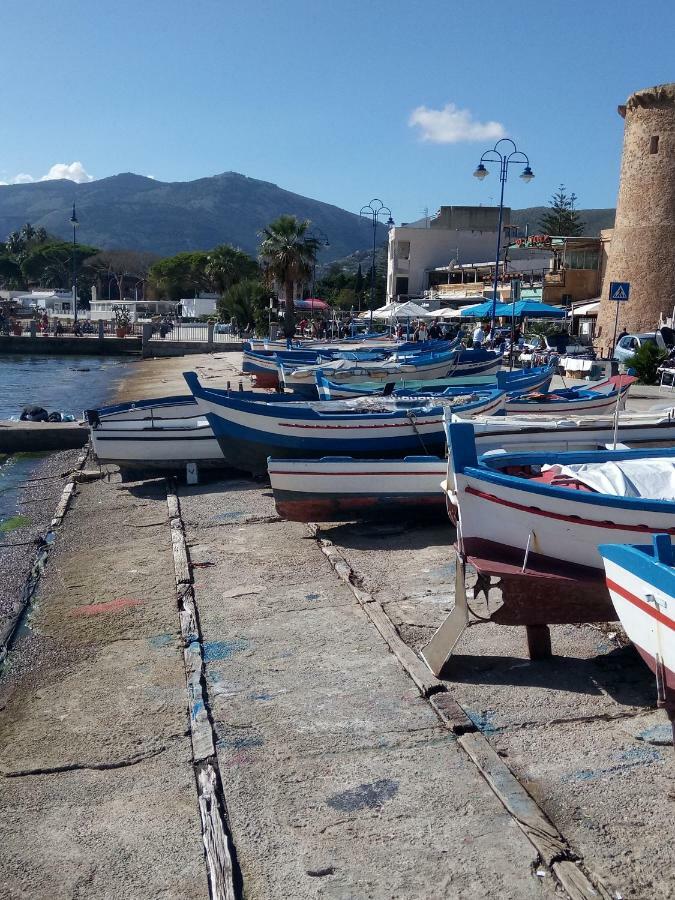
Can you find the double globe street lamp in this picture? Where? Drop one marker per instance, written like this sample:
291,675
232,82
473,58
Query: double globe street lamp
375,211
505,157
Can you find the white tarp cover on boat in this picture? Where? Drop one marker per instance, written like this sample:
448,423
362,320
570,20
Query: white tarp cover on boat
652,479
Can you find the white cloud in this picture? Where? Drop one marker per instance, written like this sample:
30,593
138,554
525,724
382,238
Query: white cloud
74,171
451,125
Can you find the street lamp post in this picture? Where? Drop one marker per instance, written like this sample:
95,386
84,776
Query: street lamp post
505,158
374,210
323,241
74,223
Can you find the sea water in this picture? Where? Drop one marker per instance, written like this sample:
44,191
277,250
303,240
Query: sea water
65,384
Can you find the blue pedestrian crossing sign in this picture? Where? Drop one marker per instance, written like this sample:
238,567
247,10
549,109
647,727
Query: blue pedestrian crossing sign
619,291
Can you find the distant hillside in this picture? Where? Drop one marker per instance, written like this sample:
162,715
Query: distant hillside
594,219
133,212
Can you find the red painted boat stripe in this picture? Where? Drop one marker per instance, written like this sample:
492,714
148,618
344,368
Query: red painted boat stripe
641,604
576,520
332,474
350,425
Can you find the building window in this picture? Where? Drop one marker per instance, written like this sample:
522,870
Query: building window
654,144
401,287
403,249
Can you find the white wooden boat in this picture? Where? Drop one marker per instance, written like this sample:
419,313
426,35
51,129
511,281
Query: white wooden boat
338,489
641,583
602,398
344,488
425,366
165,434
556,508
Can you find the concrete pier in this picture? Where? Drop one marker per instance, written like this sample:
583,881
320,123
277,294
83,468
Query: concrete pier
178,634
34,437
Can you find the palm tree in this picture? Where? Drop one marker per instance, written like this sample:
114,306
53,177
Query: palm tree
247,303
228,265
15,243
27,232
41,235
287,255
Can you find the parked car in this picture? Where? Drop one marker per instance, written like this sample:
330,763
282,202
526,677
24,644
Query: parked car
630,343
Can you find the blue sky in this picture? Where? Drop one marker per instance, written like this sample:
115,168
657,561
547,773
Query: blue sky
319,96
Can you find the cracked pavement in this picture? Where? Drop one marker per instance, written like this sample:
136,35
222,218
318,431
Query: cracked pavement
96,779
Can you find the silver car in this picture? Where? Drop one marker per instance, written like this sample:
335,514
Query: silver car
630,343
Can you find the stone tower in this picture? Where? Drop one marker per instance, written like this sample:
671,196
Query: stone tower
642,249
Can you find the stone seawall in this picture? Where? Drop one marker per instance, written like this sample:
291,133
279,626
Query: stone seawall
70,346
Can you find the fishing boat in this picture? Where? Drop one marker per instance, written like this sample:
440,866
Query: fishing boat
534,521
249,431
338,489
553,509
517,382
264,365
605,397
165,434
641,583
542,433
424,367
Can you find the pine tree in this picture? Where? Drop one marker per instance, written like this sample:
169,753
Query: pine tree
562,219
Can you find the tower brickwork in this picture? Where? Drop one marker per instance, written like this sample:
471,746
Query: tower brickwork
642,249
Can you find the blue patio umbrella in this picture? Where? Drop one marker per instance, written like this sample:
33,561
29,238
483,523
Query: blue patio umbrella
480,310
532,309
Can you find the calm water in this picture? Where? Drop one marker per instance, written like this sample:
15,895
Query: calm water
67,384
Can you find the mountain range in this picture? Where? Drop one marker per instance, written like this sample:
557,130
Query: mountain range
130,211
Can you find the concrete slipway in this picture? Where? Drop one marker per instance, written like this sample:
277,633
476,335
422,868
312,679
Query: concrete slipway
341,769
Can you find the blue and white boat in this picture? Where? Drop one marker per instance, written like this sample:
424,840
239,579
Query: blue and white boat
513,383
556,508
263,365
641,583
601,399
249,431
423,367
164,433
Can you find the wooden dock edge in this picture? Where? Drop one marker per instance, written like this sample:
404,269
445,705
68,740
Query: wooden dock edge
219,850
551,846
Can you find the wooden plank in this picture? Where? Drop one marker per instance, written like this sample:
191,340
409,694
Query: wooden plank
541,832
577,885
437,652
216,841
451,713
187,613
200,726
426,683
180,560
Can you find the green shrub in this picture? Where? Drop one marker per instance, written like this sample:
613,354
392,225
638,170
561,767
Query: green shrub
646,361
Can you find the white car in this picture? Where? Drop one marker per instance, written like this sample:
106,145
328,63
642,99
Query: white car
629,343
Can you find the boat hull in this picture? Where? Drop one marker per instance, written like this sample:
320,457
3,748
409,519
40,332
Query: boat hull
457,364
643,593
249,432
330,490
548,524
584,405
